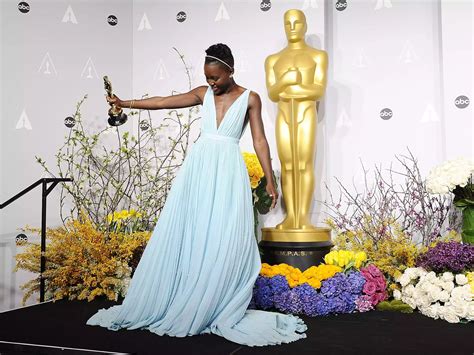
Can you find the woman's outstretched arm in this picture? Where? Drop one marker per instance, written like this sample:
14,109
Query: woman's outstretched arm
191,98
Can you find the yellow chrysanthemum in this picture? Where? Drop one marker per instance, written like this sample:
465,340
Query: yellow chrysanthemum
313,275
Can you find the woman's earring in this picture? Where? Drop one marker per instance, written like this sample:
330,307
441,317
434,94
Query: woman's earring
231,75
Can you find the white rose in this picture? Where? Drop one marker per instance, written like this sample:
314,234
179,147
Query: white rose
447,276
409,301
447,313
424,302
462,293
448,286
431,276
434,293
470,311
397,294
420,271
431,311
461,279
408,290
461,310
444,296
404,280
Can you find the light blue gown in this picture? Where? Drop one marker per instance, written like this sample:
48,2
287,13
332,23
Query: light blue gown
197,272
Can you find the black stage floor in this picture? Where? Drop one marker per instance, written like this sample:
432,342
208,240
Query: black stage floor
59,328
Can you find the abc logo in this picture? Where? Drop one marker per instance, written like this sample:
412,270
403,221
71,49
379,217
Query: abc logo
181,16
24,7
69,122
341,5
112,20
21,239
386,114
144,125
265,5
461,101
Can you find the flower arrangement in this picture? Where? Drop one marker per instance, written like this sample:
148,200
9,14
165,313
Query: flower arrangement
258,182
323,289
455,176
392,220
446,296
83,262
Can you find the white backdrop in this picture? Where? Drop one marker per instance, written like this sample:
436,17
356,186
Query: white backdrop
410,58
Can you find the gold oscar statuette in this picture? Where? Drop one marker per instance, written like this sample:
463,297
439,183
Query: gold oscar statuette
296,80
116,115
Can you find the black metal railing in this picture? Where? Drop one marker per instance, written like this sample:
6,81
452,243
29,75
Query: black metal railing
45,192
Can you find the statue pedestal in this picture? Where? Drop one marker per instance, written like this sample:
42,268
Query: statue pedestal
299,248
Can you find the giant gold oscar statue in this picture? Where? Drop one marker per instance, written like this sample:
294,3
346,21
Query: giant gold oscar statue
296,79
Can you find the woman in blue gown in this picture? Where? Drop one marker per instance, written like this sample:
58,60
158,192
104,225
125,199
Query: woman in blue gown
197,272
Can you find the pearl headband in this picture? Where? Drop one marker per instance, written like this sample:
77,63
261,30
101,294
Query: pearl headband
220,60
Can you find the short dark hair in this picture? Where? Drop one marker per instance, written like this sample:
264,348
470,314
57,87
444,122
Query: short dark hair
221,51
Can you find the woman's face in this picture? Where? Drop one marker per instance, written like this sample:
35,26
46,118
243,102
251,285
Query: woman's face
217,77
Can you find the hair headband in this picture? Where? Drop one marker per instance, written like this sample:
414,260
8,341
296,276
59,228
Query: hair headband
220,60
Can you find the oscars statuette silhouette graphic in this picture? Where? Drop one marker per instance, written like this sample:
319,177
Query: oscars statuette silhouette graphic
116,115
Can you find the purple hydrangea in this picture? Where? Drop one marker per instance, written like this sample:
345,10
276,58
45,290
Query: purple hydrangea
449,256
279,284
289,302
338,294
356,281
262,293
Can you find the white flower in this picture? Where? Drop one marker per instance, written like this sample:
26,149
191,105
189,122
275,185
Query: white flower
461,310
404,280
434,293
448,314
448,286
445,177
410,301
470,311
444,296
408,290
424,302
447,276
397,294
431,311
461,293
461,279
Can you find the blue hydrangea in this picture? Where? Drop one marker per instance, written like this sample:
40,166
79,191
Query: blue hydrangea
288,302
356,282
263,294
278,284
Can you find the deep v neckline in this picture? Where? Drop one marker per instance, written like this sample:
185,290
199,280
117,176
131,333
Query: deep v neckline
228,109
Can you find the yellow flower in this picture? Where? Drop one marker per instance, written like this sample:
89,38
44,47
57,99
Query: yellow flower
470,279
254,168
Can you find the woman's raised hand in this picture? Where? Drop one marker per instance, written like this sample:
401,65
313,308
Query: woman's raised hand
114,100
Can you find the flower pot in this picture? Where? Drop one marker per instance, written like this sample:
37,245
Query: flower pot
468,225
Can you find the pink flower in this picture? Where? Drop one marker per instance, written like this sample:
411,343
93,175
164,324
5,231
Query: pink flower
374,299
373,270
381,284
363,303
367,276
381,296
370,288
